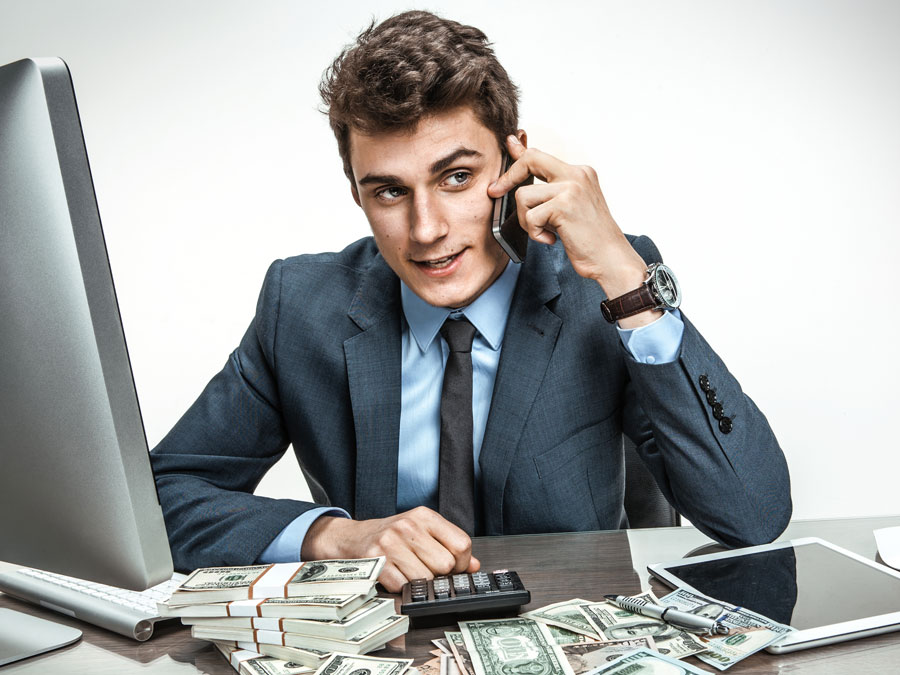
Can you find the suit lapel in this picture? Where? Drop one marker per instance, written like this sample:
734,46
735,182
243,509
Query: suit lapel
528,343
373,371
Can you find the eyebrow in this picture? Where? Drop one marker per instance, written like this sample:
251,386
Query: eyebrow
437,167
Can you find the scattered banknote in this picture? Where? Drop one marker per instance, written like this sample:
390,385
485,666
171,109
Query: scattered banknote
317,607
646,662
430,667
443,645
280,580
460,652
346,664
564,615
585,656
252,663
615,623
563,636
448,665
748,633
503,646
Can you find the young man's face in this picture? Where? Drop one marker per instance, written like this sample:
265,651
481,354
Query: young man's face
425,195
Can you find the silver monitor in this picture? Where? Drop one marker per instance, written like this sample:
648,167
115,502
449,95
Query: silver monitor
77,494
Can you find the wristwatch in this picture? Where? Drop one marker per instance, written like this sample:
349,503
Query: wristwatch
659,291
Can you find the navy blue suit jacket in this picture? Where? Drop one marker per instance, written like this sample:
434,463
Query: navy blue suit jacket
319,369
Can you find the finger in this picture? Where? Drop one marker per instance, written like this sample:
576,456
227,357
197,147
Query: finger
529,196
454,540
538,222
408,564
474,565
434,555
392,578
530,162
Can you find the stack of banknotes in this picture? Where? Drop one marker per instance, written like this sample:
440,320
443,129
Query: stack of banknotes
291,617
580,637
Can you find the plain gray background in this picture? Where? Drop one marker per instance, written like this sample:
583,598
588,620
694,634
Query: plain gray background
756,142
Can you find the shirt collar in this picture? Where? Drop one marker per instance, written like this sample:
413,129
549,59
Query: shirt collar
488,313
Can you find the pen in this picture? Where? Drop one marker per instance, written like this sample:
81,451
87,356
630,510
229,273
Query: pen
669,614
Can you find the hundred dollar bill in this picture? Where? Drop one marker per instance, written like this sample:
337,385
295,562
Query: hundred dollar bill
279,580
312,658
565,615
585,656
748,633
506,646
374,612
615,623
460,652
345,664
646,662
370,639
248,662
313,607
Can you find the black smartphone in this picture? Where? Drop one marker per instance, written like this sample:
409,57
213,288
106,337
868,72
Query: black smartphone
505,223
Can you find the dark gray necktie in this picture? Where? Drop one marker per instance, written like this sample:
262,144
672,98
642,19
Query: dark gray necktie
456,481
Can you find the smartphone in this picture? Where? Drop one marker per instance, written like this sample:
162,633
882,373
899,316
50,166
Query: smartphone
505,223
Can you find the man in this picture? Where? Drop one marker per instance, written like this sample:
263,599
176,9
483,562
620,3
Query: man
346,357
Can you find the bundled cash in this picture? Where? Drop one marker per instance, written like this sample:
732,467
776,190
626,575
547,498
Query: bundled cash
291,618
249,662
748,633
316,607
373,613
370,639
282,580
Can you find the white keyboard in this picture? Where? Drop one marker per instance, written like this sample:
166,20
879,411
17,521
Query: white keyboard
130,613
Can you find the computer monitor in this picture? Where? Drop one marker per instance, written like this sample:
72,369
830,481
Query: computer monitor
77,494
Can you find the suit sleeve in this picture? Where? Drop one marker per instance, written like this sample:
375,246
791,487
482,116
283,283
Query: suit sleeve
730,479
208,465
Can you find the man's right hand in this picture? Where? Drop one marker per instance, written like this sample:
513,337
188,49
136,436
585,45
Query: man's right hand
418,544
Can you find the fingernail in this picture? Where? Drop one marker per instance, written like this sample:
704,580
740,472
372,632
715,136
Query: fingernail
512,139
493,183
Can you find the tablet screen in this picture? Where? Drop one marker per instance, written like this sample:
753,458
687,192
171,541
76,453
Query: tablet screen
805,585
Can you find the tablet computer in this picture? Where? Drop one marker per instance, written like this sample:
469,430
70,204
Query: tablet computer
826,593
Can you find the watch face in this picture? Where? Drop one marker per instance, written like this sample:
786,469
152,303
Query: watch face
666,286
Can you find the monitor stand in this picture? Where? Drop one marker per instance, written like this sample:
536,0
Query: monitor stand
23,635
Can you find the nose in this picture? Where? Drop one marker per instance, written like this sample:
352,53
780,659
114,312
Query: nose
428,224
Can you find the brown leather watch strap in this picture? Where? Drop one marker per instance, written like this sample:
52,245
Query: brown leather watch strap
633,302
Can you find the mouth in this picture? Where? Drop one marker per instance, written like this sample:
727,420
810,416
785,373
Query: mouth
440,266
439,263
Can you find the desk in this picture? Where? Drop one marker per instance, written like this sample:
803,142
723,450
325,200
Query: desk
554,567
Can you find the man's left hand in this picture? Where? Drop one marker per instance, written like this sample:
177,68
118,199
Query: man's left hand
570,205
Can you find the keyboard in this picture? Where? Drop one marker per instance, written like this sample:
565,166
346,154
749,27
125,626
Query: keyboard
129,613
450,597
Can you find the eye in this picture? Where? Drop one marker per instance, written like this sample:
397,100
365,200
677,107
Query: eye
458,179
390,194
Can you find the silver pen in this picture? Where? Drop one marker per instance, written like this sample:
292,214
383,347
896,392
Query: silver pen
670,615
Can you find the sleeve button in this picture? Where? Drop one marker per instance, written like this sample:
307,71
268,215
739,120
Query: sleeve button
711,397
718,410
704,383
726,425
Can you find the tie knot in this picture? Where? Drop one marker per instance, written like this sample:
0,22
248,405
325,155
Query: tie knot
458,334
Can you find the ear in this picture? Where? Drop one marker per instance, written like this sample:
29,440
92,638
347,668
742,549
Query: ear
355,193
522,136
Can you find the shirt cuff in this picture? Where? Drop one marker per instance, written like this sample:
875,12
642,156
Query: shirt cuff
286,546
656,343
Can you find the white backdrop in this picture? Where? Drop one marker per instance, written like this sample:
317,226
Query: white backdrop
756,142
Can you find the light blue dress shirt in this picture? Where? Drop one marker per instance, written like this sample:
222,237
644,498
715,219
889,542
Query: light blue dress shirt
423,357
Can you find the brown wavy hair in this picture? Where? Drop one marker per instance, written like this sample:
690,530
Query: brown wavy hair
410,66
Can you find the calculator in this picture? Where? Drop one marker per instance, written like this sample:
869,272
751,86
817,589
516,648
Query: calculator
461,594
